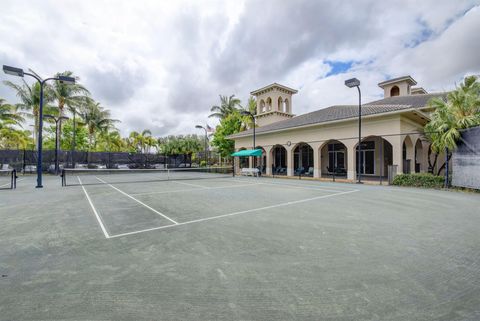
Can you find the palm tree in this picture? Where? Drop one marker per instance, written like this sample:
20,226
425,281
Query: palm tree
9,114
227,106
247,120
68,95
460,110
97,119
29,96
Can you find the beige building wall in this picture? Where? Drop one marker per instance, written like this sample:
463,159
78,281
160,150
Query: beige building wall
345,132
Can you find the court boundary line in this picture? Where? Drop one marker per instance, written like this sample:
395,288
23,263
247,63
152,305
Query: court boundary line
138,201
310,187
104,230
192,189
233,214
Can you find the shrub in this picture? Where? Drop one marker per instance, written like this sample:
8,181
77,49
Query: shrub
203,163
419,180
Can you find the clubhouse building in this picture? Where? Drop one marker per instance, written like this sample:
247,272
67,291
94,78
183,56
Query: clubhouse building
323,143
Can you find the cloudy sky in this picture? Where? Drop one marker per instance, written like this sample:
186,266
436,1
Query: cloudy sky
162,64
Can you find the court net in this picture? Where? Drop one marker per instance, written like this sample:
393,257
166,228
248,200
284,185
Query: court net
81,176
8,178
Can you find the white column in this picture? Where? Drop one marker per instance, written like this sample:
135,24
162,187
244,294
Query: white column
268,165
317,159
290,162
351,158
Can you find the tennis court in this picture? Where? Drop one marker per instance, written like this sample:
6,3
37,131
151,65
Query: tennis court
209,246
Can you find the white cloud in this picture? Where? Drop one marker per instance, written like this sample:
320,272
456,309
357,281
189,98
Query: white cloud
161,65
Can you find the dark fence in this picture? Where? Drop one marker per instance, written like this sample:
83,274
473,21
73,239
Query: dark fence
466,160
26,160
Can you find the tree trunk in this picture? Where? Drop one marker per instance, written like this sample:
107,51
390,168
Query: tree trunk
443,166
431,166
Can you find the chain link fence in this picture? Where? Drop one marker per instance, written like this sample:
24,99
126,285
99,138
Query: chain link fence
25,161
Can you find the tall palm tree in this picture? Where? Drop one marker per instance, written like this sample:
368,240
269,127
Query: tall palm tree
460,110
29,96
9,114
251,107
68,95
227,106
96,119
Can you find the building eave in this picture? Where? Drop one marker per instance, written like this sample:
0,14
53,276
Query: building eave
408,78
271,87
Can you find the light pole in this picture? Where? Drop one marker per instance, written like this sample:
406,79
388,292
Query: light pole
350,83
247,113
56,120
74,138
206,139
64,79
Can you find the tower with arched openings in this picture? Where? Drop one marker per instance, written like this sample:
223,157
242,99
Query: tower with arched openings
274,103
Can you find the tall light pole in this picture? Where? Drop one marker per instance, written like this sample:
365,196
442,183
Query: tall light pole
350,83
56,120
206,139
74,141
247,113
63,79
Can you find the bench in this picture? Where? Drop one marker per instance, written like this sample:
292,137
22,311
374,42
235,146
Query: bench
250,172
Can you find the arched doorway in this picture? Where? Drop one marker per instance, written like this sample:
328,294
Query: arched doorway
279,157
303,160
418,156
243,161
333,155
376,154
407,149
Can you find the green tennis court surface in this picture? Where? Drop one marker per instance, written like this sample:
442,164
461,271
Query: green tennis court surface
111,248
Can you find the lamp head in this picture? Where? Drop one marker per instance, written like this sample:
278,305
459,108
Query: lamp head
354,82
245,113
66,80
13,71
49,116
199,126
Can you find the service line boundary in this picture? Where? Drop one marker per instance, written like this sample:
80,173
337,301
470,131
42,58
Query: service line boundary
253,210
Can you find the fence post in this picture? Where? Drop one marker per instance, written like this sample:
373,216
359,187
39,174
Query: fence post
446,167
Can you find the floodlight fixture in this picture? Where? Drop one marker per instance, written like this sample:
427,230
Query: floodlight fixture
13,71
354,82
66,80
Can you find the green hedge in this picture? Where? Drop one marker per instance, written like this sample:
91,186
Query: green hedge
419,180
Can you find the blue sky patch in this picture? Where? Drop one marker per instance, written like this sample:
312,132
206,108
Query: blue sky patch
338,67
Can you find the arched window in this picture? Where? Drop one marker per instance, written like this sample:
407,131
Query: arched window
287,106
269,104
280,104
395,91
262,106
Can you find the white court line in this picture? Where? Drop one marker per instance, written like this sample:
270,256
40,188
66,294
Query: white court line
18,180
188,184
94,210
232,214
306,187
192,189
140,202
